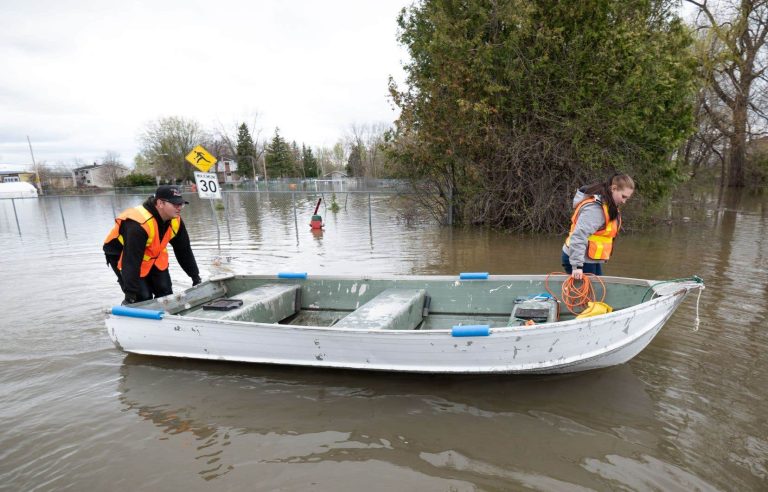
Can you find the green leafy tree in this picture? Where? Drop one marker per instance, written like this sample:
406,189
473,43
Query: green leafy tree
510,105
246,152
309,161
279,161
338,157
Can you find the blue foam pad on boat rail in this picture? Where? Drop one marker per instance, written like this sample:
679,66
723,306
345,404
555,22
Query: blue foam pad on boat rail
137,313
473,276
292,275
471,331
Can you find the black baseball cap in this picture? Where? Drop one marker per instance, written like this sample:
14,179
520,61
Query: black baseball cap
171,194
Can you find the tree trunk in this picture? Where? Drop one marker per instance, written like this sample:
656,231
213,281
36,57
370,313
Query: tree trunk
738,143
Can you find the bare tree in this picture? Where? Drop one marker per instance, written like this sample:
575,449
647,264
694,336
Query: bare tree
111,157
706,147
324,160
217,147
112,167
166,142
375,156
737,31
368,140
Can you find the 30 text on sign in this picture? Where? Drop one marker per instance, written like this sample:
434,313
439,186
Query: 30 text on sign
207,186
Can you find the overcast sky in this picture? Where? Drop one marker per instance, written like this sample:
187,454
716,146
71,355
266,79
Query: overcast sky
83,77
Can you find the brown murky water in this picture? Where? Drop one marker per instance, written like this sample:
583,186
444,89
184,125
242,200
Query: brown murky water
687,414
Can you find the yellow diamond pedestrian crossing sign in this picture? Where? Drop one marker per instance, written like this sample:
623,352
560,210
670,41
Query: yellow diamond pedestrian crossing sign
201,158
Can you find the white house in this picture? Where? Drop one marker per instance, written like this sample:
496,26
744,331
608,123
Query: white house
226,171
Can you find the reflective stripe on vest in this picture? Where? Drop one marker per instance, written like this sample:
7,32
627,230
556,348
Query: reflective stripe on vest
155,250
600,243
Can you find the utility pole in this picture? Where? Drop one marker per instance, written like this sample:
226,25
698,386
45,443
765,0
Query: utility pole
37,172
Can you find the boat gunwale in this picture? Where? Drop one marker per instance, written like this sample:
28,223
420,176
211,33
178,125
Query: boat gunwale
501,330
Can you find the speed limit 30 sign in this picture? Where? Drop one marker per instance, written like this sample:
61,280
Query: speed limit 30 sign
207,186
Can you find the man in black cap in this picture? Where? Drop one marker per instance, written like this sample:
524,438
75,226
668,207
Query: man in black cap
136,247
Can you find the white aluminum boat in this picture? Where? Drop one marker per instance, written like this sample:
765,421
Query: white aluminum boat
428,324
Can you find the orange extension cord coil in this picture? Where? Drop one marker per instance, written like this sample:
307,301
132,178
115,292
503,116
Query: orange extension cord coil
576,294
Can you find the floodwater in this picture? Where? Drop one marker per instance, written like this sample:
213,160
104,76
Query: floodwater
688,413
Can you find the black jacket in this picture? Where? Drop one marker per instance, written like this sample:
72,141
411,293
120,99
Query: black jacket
135,240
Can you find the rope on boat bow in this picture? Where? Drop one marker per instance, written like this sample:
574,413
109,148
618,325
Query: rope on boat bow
694,282
576,295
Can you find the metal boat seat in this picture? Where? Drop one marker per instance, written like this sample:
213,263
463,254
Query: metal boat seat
267,303
393,309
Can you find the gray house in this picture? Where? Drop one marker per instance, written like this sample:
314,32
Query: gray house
99,175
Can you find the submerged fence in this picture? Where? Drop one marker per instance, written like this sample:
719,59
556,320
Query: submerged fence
236,208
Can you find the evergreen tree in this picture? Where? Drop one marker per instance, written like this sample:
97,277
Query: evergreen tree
309,161
297,167
355,162
246,152
512,104
279,161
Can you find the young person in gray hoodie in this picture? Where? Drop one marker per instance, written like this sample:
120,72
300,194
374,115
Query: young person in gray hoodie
595,223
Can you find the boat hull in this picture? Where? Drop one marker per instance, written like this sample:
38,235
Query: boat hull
561,347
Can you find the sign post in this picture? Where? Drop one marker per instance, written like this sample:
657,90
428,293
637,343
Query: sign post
207,183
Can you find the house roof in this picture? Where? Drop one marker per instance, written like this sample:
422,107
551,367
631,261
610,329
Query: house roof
335,173
94,166
13,173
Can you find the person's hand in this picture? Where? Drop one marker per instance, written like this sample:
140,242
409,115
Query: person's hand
196,280
128,300
577,274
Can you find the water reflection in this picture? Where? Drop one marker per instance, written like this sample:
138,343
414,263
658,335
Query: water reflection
317,234
424,423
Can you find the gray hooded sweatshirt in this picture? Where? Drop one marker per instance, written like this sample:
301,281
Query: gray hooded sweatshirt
589,221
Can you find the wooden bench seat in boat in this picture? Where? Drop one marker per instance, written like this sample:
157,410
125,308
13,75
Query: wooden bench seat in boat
267,303
393,309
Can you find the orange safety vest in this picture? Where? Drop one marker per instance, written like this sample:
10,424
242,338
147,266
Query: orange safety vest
600,243
156,251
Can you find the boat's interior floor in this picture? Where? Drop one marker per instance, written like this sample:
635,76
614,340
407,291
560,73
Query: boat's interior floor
433,321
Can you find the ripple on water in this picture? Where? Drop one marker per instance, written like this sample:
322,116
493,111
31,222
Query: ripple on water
686,413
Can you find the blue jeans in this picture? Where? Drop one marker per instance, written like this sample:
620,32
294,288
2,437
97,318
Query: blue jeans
595,268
